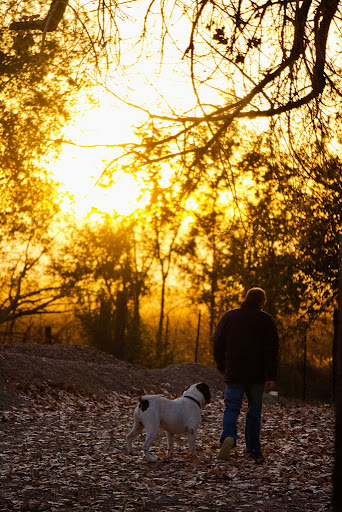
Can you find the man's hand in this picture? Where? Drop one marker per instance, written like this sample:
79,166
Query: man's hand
269,386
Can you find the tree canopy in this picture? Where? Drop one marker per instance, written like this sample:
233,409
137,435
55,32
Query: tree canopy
256,60
263,59
33,110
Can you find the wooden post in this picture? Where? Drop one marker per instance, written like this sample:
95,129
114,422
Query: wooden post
197,336
166,342
304,365
48,335
337,477
334,351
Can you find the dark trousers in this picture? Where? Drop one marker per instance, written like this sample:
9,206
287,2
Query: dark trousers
233,397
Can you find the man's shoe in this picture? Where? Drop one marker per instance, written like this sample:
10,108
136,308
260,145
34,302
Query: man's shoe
258,459
226,448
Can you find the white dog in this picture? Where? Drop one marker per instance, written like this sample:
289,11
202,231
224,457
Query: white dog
174,416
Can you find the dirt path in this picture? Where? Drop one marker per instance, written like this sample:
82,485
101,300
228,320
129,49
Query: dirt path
64,451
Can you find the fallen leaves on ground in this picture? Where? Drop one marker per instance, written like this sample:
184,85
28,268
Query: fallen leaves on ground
67,452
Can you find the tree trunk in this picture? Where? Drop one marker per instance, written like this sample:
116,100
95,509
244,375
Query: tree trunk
120,323
304,365
166,340
197,336
338,393
161,322
212,312
48,24
134,342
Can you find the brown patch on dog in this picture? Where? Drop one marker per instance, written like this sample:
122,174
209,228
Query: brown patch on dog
144,404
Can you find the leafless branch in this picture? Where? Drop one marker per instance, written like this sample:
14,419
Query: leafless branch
47,24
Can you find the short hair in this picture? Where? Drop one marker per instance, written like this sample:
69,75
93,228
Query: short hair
256,297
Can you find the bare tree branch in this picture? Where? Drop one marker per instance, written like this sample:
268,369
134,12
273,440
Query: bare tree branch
47,24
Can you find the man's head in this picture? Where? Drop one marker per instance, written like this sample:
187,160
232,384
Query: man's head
255,297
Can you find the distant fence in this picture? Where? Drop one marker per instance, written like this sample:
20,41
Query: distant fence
13,337
8,337
318,383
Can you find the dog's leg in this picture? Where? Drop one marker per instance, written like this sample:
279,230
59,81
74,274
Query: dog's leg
192,440
136,429
150,437
170,443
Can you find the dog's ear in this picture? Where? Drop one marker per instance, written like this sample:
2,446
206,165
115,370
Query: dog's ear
204,389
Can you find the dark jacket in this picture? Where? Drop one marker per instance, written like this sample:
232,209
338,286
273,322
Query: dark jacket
246,346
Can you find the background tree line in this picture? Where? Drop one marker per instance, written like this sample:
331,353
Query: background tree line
133,285
250,208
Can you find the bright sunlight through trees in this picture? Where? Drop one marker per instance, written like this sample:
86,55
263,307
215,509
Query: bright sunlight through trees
158,159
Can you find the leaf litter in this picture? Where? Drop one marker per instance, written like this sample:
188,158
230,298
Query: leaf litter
63,443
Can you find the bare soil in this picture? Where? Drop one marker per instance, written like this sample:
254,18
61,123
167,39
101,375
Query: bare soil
89,371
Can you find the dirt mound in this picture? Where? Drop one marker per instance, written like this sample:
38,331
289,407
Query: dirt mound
85,370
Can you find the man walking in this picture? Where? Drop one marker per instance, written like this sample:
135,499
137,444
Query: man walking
246,351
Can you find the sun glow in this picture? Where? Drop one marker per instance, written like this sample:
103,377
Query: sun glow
122,198
80,167
97,129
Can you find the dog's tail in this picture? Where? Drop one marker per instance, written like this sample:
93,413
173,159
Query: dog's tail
143,404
